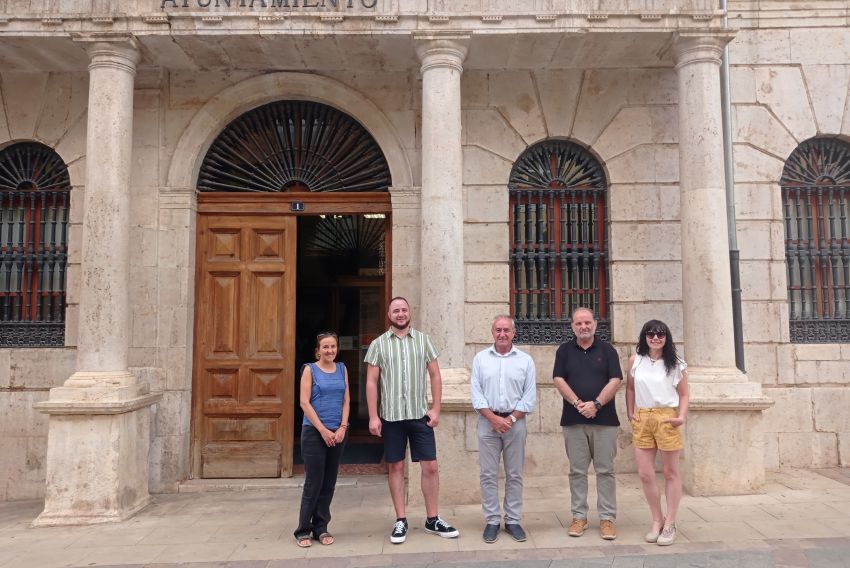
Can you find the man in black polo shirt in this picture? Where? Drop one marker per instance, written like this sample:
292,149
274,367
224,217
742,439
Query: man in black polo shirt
587,374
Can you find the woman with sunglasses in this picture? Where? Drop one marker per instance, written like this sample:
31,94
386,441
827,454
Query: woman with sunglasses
325,402
656,405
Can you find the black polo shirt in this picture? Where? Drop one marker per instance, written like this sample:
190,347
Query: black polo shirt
587,372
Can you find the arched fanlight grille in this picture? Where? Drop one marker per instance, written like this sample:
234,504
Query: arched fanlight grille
34,202
816,204
821,161
557,164
348,235
294,146
32,165
559,241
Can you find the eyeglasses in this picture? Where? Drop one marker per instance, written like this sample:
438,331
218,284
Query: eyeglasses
657,334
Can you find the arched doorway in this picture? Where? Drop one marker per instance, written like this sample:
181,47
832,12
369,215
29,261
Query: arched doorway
292,239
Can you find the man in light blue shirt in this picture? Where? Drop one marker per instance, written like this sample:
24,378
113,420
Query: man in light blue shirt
504,391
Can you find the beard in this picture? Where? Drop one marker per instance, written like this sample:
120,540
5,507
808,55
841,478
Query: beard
405,325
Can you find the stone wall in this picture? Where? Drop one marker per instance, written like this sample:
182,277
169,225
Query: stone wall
26,375
789,83
49,108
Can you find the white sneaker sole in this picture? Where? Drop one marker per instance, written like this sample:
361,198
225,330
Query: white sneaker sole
454,534
398,539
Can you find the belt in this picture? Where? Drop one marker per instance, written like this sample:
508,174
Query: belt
501,414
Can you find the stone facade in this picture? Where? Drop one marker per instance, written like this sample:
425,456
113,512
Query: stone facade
518,77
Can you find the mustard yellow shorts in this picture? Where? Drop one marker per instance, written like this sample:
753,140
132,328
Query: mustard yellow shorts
652,432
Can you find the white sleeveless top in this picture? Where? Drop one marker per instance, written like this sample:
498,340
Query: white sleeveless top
654,387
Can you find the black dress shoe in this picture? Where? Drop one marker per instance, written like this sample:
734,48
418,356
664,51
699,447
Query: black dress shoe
491,533
516,532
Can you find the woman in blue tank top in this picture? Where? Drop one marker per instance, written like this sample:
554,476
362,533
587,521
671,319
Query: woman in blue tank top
324,400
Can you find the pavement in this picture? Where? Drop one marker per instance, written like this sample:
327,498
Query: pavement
802,520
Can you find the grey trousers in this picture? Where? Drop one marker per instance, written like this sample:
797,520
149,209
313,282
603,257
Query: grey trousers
491,447
597,444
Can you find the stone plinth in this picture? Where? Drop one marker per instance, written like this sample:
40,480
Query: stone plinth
97,452
724,438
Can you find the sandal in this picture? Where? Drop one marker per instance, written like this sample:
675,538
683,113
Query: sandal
304,541
326,539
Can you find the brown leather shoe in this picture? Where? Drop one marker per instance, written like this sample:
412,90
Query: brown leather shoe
608,530
577,527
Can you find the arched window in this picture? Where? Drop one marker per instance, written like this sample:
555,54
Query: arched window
34,195
559,241
816,203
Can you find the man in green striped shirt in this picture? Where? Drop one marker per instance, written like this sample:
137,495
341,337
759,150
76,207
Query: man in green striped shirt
398,361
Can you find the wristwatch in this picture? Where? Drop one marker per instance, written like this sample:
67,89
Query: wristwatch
513,418
597,404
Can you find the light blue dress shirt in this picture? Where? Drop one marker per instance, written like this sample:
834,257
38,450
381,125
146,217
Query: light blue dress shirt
504,383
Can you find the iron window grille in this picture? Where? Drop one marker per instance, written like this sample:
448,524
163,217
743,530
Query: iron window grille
294,146
559,241
815,200
34,199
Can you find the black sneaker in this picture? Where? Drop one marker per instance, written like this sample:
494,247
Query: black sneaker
399,533
441,527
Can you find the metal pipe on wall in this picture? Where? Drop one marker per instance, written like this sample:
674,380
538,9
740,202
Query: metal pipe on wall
729,177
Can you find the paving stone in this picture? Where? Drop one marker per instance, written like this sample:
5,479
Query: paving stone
628,562
828,558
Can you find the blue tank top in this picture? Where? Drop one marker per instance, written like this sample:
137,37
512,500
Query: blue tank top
327,394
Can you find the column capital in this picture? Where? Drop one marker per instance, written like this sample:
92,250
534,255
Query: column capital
116,51
442,51
699,47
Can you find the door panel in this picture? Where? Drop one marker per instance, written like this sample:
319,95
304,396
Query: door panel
244,346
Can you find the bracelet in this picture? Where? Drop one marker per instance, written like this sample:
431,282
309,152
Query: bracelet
576,402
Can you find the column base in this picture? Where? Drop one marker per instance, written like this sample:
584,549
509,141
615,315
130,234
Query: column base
97,454
67,518
87,379
724,441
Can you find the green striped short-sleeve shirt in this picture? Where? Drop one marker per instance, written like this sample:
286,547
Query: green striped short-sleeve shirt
403,362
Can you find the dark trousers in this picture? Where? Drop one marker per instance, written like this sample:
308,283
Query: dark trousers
321,465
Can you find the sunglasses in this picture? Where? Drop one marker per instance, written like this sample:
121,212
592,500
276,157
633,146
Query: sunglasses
325,334
657,334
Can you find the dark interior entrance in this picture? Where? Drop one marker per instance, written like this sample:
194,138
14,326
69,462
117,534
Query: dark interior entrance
341,287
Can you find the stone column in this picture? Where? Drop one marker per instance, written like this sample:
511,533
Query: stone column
724,444
99,430
441,269
441,260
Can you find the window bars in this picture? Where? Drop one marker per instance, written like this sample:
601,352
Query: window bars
816,203
559,241
34,199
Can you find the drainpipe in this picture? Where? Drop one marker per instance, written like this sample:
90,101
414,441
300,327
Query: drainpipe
729,176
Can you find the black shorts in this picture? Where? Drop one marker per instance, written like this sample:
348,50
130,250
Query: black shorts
423,446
